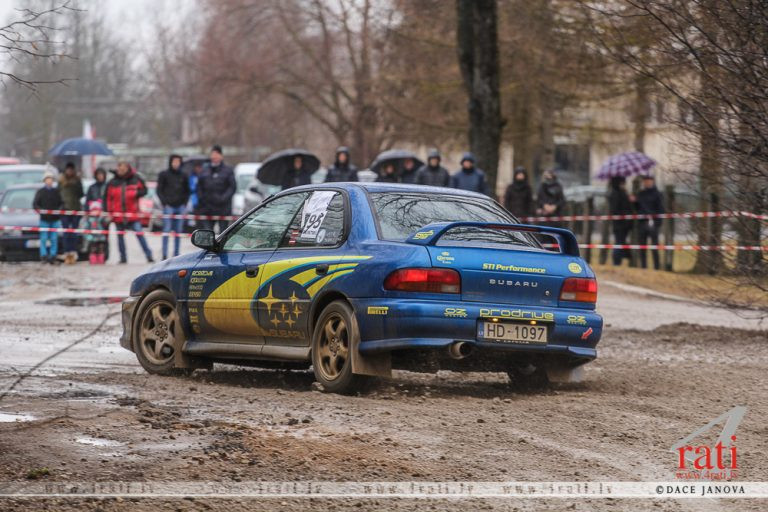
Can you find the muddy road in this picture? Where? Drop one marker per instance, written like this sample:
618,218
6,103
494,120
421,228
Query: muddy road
666,367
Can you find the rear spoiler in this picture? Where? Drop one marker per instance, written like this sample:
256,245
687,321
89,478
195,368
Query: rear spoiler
431,233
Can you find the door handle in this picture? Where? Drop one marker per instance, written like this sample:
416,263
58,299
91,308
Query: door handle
322,268
251,271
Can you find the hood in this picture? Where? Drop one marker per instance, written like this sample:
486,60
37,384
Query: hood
170,159
520,170
468,156
340,150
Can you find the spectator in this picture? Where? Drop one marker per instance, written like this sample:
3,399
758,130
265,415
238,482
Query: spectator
518,198
550,199
122,204
296,175
388,174
48,198
71,190
341,170
173,192
97,242
649,202
98,188
215,189
194,177
619,203
409,171
469,177
432,173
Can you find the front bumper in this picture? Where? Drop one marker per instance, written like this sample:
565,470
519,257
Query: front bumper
412,324
128,311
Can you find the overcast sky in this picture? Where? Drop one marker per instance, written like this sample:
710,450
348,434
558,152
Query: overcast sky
137,16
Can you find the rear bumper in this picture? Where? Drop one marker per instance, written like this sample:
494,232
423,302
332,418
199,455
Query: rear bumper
127,313
404,324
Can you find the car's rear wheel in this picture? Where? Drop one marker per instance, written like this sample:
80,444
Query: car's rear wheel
528,377
158,334
334,337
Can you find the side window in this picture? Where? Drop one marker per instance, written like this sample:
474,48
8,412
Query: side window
264,227
319,223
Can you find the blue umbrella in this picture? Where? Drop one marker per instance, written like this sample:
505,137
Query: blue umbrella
79,147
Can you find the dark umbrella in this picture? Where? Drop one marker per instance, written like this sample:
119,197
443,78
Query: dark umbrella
79,147
625,165
277,164
396,157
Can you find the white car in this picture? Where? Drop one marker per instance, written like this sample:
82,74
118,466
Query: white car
250,191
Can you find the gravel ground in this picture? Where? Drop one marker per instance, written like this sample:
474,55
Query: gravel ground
665,369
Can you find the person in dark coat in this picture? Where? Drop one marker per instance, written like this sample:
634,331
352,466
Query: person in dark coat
470,177
122,204
409,171
550,199
649,202
215,189
48,198
518,198
619,203
97,189
71,190
341,170
296,175
173,192
388,174
432,173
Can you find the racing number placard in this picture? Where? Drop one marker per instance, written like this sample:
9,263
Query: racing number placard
314,212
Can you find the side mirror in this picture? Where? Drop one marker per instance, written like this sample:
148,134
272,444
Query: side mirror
204,239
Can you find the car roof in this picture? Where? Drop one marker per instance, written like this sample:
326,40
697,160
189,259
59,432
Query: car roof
25,167
393,187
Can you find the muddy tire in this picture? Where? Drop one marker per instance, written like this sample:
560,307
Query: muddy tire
158,334
334,337
528,377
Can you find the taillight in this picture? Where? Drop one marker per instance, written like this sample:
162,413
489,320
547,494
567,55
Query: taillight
579,289
430,280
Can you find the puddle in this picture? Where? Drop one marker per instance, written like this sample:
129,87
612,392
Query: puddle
82,301
96,441
11,418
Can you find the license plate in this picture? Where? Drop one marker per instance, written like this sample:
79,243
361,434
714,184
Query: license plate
513,333
32,244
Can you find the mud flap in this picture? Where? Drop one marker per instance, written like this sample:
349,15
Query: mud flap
378,365
565,374
182,360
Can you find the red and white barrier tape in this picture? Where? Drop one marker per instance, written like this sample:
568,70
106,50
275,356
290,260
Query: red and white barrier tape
83,231
673,247
127,215
189,216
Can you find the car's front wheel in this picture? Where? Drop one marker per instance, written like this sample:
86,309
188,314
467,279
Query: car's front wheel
334,337
158,333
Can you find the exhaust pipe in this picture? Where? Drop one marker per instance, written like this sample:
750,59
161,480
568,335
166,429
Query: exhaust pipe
459,350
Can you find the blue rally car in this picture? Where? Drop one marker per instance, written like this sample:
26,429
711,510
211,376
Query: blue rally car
356,279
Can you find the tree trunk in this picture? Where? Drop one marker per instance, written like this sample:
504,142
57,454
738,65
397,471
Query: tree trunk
478,49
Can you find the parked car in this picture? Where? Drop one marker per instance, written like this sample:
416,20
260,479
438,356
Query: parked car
356,279
17,243
21,174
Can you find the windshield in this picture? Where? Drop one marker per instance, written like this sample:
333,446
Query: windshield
18,198
8,178
401,214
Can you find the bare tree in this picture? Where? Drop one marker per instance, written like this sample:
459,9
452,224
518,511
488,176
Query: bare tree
478,48
32,34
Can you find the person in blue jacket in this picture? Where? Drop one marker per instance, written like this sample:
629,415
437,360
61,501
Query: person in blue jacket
470,177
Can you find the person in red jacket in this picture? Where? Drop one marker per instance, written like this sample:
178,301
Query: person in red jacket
122,204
